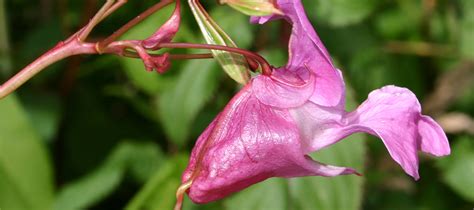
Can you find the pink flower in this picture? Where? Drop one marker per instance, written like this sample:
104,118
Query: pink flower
269,128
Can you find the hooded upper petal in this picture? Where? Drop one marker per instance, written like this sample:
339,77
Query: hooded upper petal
391,113
307,50
284,89
247,143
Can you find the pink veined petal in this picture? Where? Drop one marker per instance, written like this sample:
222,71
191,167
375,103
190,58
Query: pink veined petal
433,138
391,113
306,49
247,143
283,89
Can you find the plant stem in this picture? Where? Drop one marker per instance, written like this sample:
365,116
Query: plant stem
266,67
99,16
59,52
133,22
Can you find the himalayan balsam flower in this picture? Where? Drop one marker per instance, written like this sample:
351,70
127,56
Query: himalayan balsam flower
273,123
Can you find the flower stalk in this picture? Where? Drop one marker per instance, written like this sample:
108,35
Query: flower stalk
77,44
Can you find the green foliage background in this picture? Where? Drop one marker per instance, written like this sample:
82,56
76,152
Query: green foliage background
99,132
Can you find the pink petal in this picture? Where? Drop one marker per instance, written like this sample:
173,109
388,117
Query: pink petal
247,143
306,49
283,89
263,19
433,138
391,113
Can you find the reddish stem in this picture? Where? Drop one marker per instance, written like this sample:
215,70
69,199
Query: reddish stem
122,30
60,51
266,67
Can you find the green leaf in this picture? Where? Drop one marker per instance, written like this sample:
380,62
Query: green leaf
458,168
235,65
159,191
341,12
342,192
26,180
45,113
141,158
180,104
467,29
270,194
373,69
236,25
90,189
253,7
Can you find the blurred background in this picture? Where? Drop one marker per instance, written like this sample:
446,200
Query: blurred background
99,132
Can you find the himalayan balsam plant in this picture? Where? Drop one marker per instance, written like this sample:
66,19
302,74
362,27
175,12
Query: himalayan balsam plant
279,116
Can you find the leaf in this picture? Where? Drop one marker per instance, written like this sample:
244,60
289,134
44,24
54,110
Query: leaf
342,12
159,191
373,69
90,189
44,111
270,194
467,29
141,158
180,104
458,168
26,180
342,192
253,7
233,64
236,25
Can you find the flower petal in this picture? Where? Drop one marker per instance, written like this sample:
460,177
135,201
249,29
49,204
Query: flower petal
391,113
433,138
283,89
247,143
306,49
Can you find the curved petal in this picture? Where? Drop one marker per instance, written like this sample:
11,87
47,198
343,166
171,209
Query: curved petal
391,113
306,49
430,131
247,143
264,19
283,89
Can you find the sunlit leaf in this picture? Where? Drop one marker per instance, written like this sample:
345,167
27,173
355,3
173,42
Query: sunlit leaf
233,64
